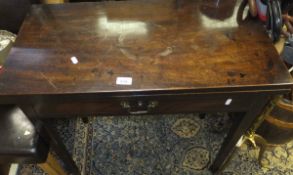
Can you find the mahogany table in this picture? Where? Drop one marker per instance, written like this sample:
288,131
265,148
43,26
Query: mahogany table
142,57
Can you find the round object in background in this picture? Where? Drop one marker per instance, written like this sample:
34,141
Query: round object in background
6,41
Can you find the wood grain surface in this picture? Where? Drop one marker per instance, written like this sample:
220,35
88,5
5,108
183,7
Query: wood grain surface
162,45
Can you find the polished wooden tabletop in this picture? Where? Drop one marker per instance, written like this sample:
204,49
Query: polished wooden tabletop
162,45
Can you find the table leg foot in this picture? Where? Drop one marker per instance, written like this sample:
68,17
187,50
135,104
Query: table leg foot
237,130
52,166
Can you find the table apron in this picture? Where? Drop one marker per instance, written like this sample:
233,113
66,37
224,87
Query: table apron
146,105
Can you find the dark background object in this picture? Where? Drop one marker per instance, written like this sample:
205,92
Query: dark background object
17,147
287,6
274,19
221,11
12,13
4,169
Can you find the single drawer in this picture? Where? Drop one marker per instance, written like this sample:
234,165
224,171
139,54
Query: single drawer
148,105
188,103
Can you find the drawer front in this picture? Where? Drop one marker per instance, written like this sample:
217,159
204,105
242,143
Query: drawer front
185,104
148,105
75,108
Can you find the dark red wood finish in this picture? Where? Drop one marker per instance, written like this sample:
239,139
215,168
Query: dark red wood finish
182,55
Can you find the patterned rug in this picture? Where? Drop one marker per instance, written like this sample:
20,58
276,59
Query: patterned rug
184,144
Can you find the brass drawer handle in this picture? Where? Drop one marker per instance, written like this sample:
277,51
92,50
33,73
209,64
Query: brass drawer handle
126,105
138,112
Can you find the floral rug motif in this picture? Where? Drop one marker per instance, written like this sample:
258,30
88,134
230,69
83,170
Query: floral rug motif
182,144
185,128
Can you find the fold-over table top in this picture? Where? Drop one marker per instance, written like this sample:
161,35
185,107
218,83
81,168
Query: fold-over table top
158,45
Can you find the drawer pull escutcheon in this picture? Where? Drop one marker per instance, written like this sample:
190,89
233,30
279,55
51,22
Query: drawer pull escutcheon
126,105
